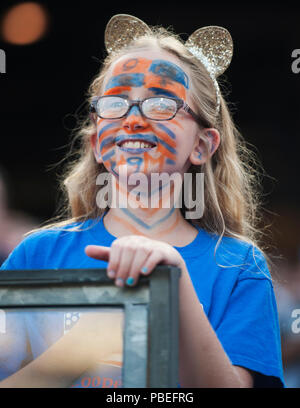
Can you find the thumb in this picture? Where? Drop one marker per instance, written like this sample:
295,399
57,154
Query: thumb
97,252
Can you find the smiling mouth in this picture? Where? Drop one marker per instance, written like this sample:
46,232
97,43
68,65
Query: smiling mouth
135,145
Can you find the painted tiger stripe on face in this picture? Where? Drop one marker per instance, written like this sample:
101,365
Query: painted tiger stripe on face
171,228
142,223
127,224
169,71
156,81
138,65
160,160
104,139
165,139
141,206
126,80
118,90
136,231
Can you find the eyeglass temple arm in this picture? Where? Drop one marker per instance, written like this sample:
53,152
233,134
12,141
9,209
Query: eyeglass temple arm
197,118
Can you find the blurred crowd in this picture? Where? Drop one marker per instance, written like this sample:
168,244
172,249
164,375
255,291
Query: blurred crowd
288,302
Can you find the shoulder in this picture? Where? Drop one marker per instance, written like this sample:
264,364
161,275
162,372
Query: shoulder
38,247
243,256
51,235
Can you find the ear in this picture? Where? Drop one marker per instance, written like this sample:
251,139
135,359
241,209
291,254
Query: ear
200,153
95,147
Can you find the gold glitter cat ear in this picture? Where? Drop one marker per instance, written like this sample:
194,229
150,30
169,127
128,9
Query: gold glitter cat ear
121,30
213,47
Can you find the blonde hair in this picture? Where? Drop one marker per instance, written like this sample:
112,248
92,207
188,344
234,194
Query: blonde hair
232,185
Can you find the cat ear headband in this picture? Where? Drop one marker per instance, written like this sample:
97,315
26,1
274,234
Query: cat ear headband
212,45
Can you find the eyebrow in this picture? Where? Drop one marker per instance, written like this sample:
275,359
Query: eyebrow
162,91
126,80
118,90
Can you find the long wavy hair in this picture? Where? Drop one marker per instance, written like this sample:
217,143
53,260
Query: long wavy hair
232,185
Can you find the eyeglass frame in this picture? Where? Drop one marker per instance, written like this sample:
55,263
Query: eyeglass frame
179,104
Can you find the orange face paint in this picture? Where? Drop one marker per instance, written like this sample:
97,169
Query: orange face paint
136,65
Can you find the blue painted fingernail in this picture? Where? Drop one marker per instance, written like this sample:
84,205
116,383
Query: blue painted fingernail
144,270
119,282
130,281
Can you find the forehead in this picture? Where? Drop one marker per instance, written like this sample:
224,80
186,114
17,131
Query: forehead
152,70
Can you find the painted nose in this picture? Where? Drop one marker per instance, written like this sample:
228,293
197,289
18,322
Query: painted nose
134,120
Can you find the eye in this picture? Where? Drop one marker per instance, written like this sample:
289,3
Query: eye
159,108
117,104
111,107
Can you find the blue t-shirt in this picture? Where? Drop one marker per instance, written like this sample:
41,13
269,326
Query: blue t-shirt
233,285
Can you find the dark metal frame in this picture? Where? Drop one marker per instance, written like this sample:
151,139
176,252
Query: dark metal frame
151,310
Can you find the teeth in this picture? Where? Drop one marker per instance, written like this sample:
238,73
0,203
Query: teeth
135,145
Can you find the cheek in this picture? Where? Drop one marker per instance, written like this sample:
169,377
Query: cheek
186,132
105,136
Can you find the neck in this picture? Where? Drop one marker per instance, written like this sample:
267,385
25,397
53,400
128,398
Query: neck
155,215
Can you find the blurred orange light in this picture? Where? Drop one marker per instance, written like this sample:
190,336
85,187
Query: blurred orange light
24,23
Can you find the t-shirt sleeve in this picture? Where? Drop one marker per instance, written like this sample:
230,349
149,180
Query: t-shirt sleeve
249,330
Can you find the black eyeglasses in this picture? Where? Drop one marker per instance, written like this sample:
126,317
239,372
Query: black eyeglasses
154,108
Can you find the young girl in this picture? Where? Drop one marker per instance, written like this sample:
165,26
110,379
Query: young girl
156,108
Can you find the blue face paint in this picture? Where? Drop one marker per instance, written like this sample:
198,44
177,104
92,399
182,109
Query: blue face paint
125,80
163,92
108,155
113,165
134,111
143,224
169,71
167,130
106,142
110,125
169,161
135,161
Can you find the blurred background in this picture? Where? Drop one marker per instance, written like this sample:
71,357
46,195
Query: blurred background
54,49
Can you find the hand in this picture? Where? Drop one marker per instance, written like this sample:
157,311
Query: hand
132,255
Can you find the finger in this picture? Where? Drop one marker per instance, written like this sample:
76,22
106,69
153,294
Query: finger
125,262
138,262
155,258
97,252
114,259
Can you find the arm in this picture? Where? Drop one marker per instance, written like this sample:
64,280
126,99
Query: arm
92,339
202,361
